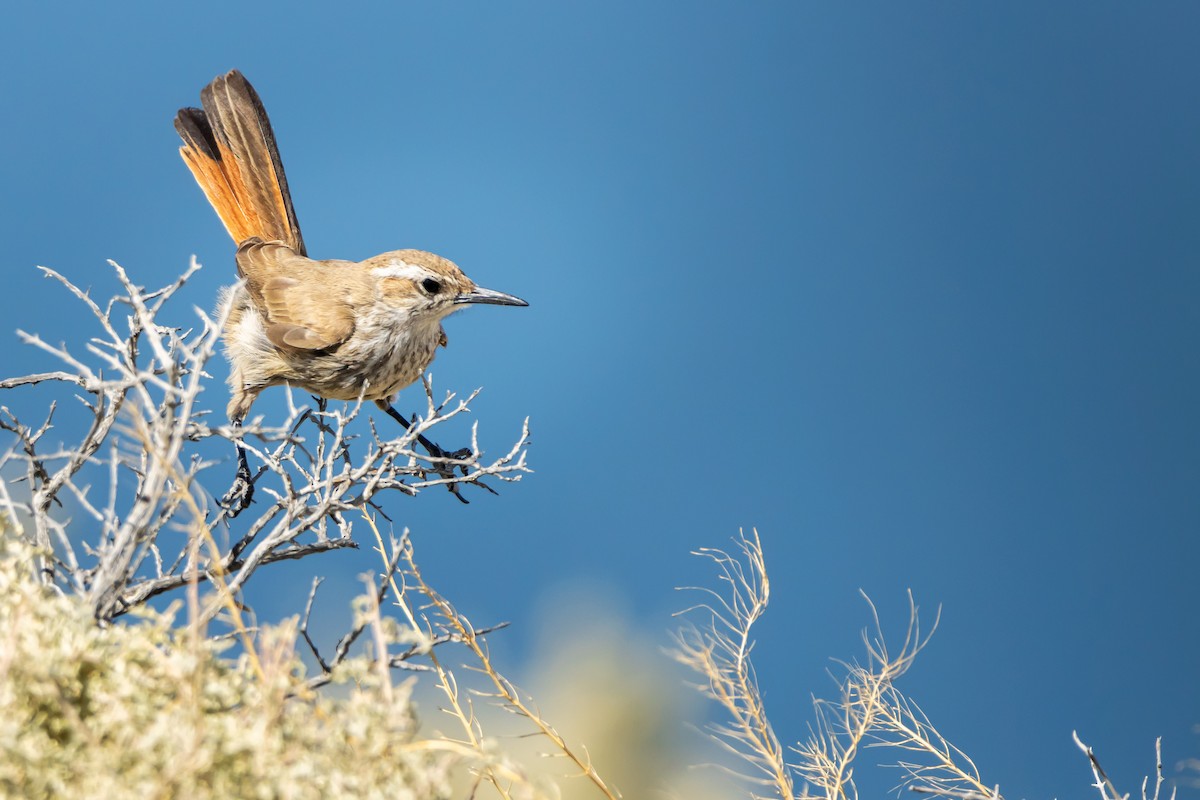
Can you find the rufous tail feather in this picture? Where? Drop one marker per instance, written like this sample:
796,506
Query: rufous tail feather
230,148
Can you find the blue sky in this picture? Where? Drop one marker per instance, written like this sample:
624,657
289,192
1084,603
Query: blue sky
912,288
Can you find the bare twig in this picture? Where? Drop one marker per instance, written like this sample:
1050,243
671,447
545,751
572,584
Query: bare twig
1104,785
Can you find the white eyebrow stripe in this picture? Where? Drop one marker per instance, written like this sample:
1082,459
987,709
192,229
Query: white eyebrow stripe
401,269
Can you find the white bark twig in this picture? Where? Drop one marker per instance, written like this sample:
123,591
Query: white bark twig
1104,785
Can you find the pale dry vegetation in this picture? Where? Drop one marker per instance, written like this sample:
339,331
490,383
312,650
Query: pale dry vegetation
868,712
132,664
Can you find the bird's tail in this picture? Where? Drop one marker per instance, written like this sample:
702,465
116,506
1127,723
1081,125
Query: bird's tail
230,149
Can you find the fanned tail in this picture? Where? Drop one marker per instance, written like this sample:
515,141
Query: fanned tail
230,148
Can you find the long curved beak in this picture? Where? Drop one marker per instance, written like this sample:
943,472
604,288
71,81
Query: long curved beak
489,297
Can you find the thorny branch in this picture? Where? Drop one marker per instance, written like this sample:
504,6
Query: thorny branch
136,466
1104,785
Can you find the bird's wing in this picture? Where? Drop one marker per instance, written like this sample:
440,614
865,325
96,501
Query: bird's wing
230,148
299,312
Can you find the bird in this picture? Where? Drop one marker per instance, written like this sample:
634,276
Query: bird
341,330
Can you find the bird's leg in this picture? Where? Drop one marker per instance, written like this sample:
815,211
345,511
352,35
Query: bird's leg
434,450
444,470
238,498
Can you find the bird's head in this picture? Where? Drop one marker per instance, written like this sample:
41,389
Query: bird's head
426,284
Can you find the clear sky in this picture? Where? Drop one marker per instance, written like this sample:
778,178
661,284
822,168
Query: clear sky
910,287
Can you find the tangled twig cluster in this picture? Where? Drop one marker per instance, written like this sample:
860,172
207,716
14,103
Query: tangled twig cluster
145,444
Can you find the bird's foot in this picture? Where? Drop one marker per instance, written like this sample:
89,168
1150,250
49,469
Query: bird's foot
447,471
442,469
238,498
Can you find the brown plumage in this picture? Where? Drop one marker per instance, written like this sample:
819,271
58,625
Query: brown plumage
339,329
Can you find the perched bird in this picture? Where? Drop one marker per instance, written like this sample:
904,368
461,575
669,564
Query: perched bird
339,329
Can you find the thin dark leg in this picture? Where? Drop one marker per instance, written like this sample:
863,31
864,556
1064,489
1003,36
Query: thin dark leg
238,498
445,470
433,449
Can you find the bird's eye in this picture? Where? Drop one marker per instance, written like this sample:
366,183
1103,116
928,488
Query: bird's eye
431,286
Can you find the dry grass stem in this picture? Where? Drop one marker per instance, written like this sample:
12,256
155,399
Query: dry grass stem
503,691
719,651
868,712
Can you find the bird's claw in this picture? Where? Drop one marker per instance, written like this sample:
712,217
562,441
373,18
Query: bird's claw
443,470
238,498
447,471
